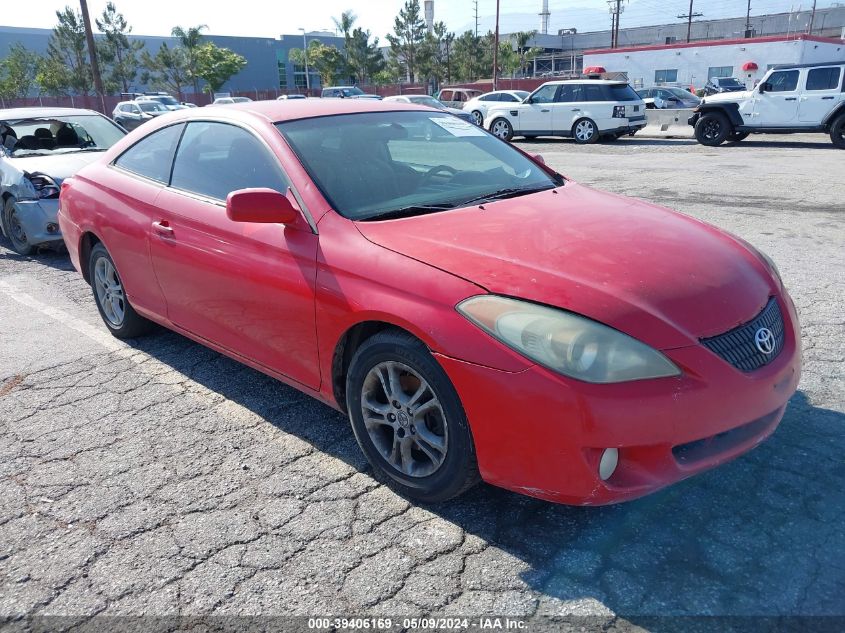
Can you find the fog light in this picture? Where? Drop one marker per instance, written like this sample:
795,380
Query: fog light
52,227
608,463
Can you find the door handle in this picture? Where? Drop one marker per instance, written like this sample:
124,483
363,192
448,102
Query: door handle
163,227
791,99
827,97
544,110
576,109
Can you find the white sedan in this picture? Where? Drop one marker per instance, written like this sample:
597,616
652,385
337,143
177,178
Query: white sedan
478,106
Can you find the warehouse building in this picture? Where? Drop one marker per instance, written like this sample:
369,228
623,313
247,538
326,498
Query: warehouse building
695,63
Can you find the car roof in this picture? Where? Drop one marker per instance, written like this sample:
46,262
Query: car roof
607,82
39,112
817,64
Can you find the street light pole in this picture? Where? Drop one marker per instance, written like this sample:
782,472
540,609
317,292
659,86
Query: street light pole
305,57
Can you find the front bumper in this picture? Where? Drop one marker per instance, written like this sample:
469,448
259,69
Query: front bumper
540,434
38,219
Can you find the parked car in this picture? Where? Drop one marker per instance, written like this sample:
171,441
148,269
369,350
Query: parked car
585,110
475,314
188,104
164,99
661,97
723,84
346,92
789,98
230,100
287,97
478,106
39,148
457,97
431,102
131,114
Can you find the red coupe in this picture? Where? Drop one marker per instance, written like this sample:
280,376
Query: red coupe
476,314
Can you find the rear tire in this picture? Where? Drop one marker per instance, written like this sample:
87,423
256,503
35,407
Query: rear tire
110,296
13,229
502,129
712,129
416,435
837,132
585,131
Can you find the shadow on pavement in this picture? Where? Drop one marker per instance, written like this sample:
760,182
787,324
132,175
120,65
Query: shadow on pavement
762,535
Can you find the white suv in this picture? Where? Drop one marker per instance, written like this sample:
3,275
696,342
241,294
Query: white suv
789,98
584,109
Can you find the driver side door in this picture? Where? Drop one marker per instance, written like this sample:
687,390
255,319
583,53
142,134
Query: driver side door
778,105
535,116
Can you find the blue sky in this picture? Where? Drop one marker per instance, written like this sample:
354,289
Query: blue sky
269,19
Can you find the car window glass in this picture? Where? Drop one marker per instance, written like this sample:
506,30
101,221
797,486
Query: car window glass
446,95
215,159
568,94
544,94
783,81
152,156
488,98
507,97
592,93
823,79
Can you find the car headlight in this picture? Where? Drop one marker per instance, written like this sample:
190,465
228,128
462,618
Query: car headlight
43,186
565,342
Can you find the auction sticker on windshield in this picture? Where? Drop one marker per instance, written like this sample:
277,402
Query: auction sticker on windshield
456,127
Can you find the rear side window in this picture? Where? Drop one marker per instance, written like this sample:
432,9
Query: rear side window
823,79
783,81
592,93
506,97
215,159
151,157
489,98
622,92
446,95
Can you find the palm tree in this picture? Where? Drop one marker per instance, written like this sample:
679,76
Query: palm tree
190,40
344,25
521,39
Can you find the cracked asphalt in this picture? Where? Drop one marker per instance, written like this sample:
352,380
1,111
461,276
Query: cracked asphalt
159,478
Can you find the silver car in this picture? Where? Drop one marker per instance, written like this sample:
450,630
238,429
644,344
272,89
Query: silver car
39,148
431,102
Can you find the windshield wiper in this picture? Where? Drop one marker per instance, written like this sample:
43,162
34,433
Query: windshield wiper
411,210
501,194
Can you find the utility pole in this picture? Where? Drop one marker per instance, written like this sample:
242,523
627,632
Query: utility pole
618,15
476,18
92,55
496,51
812,19
748,20
615,11
690,16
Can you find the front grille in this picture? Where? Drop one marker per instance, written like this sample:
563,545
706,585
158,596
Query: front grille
738,346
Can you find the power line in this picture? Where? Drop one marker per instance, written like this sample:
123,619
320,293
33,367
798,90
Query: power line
690,15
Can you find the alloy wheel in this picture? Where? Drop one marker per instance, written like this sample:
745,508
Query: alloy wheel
109,292
712,129
404,419
477,118
585,130
16,230
501,129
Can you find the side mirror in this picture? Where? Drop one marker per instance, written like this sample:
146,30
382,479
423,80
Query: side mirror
528,99
538,158
263,206
765,87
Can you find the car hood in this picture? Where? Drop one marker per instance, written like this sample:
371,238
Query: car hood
58,167
655,274
728,96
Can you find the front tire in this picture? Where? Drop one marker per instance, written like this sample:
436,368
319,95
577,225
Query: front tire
837,132
13,229
110,296
585,131
408,419
502,129
736,137
712,129
478,118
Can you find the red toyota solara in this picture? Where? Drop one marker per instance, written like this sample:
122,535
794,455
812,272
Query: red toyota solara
477,315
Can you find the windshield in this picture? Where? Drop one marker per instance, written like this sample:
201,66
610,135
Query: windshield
59,135
431,102
240,99
377,163
150,106
521,93
352,91
166,100
622,92
681,93
729,82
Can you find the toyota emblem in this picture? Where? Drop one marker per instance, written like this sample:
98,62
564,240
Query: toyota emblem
764,340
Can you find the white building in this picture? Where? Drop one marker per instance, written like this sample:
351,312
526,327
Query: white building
693,64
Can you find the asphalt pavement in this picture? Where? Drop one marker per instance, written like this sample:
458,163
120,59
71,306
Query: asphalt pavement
158,478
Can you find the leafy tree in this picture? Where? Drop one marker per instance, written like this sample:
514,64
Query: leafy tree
433,58
508,60
166,70
65,68
408,38
466,53
325,59
364,58
117,52
216,65
384,77
344,24
525,53
17,72
190,40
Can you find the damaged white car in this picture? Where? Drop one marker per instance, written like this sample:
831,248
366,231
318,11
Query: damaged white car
39,148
